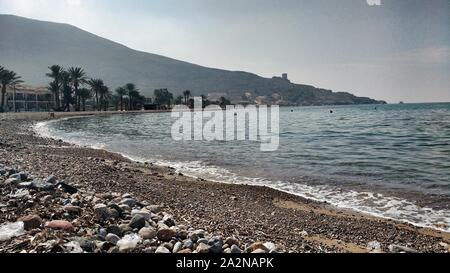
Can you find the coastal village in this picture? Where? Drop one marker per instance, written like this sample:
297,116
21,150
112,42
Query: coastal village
72,90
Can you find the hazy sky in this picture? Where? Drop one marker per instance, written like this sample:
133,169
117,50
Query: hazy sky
399,50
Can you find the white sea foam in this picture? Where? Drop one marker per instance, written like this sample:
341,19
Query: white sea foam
43,129
375,204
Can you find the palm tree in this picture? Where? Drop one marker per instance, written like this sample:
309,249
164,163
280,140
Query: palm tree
96,86
54,88
84,95
7,78
134,98
223,102
179,100
140,100
126,101
204,100
77,77
121,92
105,96
187,96
67,90
133,93
55,74
115,99
163,97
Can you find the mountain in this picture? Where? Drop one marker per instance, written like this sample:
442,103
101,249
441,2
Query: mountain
29,46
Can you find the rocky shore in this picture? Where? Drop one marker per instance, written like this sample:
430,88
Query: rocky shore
59,217
57,197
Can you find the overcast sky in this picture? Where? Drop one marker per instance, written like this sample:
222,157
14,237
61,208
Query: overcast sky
396,51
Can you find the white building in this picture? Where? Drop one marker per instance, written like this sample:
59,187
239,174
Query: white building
22,98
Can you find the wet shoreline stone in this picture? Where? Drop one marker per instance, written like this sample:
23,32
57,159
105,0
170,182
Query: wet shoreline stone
124,225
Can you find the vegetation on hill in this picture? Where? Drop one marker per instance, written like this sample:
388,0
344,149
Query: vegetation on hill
30,46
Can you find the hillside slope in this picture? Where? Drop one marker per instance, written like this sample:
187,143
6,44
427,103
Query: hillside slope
30,46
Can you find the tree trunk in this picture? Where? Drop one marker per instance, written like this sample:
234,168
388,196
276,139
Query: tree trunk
121,103
57,100
99,102
96,101
3,98
77,98
57,97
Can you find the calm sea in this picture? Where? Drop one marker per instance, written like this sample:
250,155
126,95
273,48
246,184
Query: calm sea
387,160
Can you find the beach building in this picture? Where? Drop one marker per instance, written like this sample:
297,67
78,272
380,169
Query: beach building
26,98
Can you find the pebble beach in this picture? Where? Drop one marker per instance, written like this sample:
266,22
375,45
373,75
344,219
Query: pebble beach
56,197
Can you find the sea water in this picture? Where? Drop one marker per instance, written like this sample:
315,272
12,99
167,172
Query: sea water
391,161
